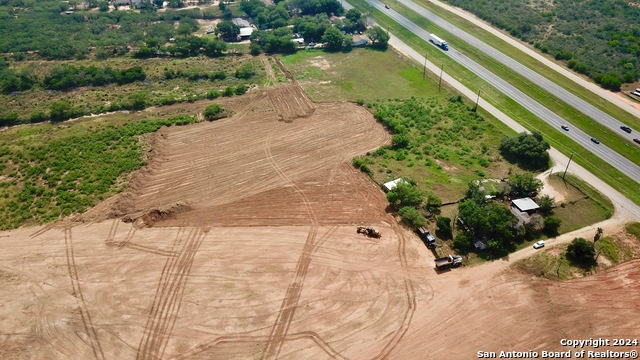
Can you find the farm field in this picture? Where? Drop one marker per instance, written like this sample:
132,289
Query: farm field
240,243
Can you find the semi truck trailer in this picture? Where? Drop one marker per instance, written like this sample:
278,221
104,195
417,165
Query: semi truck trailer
438,42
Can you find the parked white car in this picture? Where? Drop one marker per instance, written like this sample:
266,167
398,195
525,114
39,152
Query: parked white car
538,244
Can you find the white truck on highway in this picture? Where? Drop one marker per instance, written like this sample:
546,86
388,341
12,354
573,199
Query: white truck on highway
439,42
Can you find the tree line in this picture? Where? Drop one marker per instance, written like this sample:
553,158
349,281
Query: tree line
67,77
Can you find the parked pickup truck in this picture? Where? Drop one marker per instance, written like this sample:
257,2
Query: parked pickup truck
448,261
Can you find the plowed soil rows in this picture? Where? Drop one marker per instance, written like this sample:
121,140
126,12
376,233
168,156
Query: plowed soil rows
251,169
245,248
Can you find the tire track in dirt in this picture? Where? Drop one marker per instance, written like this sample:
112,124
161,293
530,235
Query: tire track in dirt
278,333
111,242
411,300
169,293
226,339
92,335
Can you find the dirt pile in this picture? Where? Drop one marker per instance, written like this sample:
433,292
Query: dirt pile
150,217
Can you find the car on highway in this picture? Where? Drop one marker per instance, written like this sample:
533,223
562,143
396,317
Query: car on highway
386,6
637,140
565,127
538,244
595,140
625,129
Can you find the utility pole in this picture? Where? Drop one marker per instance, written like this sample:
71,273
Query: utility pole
440,81
565,170
477,99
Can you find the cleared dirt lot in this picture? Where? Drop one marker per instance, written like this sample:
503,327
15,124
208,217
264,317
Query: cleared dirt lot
256,257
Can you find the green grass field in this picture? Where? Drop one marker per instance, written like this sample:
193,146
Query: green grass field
359,74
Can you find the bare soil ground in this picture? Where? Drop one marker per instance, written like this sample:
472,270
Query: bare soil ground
242,245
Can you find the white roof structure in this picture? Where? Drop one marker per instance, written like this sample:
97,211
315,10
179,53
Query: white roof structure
246,32
241,23
388,186
525,204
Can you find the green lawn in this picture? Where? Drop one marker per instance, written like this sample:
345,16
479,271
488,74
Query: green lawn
359,74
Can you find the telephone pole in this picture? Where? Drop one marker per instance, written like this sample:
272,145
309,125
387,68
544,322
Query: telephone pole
567,168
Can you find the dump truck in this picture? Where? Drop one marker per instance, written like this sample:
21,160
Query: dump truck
427,238
448,261
369,231
438,42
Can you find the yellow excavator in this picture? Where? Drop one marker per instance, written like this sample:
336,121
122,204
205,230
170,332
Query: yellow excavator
369,231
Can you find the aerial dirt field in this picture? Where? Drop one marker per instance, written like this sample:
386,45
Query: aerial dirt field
238,241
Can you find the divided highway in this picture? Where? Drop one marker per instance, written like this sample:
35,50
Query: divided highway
605,153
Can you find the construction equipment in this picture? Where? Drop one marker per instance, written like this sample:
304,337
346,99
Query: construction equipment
448,261
369,231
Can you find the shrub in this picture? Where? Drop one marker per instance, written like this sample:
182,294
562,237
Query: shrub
212,94
412,217
404,194
462,244
212,111
581,252
241,89
361,164
443,229
551,225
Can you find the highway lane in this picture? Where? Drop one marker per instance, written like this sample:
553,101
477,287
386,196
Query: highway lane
621,163
549,86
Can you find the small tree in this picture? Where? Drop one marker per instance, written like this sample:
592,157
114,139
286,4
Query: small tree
138,101
333,39
412,217
546,204
227,30
432,205
212,111
598,235
524,185
581,252
551,225
443,229
59,110
528,150
404,194
379,37
462,244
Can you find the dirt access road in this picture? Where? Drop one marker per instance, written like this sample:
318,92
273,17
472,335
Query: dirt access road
244,247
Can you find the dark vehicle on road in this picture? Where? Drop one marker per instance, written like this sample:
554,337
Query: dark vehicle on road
565,127
637,140
625,129
595,140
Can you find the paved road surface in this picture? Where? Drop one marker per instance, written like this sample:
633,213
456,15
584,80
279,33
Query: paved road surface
618,161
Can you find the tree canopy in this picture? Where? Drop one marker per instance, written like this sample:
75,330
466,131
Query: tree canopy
581,252
379,37
524,185
404,194
527,150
